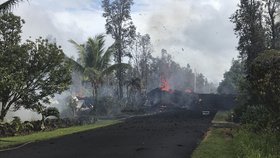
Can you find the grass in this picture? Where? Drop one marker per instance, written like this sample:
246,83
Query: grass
237,142
40,136
256,145
217,142
221,116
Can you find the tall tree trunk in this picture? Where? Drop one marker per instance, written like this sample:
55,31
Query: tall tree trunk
43,122
273,32
4,110
2,115
127,94
146,76
120,73
94,91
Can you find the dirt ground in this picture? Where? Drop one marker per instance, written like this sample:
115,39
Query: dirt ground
166,135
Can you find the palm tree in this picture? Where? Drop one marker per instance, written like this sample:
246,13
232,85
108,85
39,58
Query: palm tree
8,5
94,61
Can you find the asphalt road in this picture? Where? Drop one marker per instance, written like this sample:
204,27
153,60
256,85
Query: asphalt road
166,135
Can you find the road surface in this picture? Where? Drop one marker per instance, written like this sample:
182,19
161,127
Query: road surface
166,135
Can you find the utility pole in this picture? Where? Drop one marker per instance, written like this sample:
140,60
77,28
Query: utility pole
194,87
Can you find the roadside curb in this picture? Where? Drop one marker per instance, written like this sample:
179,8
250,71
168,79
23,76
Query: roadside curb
14,148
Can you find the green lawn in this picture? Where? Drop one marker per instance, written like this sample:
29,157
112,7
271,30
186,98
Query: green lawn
218,141
217,144
221,116
222,142
17,140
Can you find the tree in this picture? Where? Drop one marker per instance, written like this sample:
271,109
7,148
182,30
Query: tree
180,78
7,6
32,72
263,112
120,26
200,82
141,56
133,86
266,72
94,61
231,82
248,20
273,26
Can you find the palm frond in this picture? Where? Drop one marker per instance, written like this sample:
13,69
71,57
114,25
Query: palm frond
106,58
96,59
95,52
8,5
92,53
100,43
81,51
93,74
92,71
75,65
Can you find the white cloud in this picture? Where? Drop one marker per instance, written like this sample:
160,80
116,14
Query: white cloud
61,20
200,27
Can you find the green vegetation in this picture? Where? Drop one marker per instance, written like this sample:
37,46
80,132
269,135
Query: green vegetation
226,143
217,144
232,78
8,5
258,87
40,136
237,142
120,26
218,141
32,72
251,145
257,79
222,116
266,87
94,61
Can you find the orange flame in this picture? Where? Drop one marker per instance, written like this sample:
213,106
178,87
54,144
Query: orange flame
165,86
188,90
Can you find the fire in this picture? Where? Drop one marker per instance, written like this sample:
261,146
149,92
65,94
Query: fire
188,90
165,86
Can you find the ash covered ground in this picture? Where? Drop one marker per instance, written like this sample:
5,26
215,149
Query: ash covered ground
172,134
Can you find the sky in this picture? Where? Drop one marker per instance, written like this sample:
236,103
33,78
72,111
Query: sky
197,32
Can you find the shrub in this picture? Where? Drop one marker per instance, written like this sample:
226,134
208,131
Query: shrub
265,85
16,124
257,117
256,145
27,127
6,129
260,99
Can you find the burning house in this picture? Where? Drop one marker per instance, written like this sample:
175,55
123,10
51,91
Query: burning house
165,97
84,105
